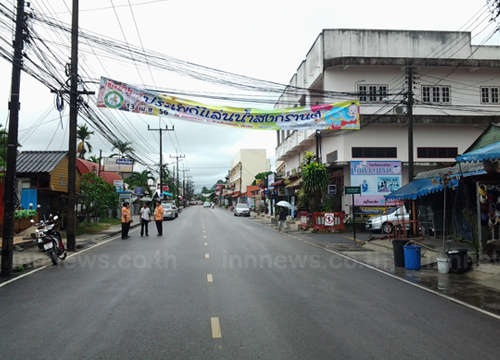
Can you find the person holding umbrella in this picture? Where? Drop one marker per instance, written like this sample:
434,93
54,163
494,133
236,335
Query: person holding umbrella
282,219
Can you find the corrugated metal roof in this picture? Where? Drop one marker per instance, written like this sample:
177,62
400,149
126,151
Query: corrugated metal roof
39,161
467,168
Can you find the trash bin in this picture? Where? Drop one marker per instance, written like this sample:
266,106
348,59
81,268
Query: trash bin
399,255
459,261
412,256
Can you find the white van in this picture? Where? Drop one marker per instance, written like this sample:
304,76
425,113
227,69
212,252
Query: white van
382,222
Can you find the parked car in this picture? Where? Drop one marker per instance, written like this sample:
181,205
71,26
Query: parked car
241,210
170,211
383,222
206,204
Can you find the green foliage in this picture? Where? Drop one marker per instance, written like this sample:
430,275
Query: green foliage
261,176
329,205
316,179
141,180
123,147
98,195
83,134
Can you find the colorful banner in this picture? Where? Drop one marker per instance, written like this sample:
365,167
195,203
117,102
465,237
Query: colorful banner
117,95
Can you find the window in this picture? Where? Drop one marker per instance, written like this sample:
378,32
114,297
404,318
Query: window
489,95
372,93
437,152
374,152
436,94
332,157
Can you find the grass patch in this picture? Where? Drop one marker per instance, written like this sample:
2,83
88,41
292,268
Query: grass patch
95,228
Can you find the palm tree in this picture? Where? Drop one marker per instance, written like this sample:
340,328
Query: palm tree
94,159
83,134
123,147
141,180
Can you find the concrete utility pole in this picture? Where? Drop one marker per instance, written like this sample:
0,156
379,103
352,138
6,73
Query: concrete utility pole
177,157
73,117
10,177
409,114
161,130
184,184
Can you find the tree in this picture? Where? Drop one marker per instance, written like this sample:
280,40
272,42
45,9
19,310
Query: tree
83,134
261,176
123,147
98,196
141,180
4,140
316,179
94,159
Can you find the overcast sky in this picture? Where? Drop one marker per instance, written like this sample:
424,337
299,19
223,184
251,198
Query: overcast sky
265,40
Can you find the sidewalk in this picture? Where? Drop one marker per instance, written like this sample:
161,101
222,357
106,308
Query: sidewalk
479,286
28,256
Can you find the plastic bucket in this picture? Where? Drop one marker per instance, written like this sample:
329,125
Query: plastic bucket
412,257
443,265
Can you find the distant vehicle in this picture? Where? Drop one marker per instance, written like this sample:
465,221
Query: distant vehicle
241,210
206,204
384,222
170,211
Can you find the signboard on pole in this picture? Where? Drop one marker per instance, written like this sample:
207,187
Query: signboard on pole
119,165
352,190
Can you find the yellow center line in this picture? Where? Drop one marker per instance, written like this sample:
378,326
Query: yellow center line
216,333
207,256
210,278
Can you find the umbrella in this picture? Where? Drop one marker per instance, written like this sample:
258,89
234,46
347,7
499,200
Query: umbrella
284,203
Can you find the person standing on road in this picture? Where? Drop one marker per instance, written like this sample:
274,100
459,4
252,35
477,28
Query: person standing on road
159,218
145,217
282,219
126,219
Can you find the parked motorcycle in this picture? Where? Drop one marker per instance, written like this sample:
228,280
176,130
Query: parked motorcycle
49,240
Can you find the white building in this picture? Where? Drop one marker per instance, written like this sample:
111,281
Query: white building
455,97
245,165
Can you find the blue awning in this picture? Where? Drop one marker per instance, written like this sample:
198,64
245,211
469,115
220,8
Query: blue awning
417,188
490,152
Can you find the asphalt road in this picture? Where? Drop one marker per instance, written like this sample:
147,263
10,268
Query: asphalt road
220,287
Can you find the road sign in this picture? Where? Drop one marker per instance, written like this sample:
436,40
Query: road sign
353,190
329,219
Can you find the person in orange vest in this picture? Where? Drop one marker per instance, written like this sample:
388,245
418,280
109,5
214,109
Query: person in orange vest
126,219
159,218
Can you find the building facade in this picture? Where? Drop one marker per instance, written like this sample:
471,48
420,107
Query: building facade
243,168
424,96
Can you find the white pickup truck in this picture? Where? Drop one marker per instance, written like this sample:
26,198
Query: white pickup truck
383,222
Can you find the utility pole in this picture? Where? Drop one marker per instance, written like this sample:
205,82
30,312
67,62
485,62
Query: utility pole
10,177
184,184
409,114
318,146
161,130
177,157
73,117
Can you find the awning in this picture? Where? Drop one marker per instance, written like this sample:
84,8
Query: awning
295,184
236,193
490,152
416,189
424,186
277,183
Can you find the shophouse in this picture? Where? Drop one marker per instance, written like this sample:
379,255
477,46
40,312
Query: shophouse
424,96
245,165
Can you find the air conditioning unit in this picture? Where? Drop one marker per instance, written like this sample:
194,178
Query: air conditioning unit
399,110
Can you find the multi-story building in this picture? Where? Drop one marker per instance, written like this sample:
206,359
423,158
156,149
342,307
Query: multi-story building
245,165
424,96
